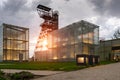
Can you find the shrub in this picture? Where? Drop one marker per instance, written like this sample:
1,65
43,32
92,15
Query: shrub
1,72
2,78
22,76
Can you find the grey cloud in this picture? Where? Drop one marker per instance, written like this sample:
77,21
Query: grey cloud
16,5
19,11
67,0
13,6
12,11
106,10
107,7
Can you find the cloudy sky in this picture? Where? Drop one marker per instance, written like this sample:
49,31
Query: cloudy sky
105,13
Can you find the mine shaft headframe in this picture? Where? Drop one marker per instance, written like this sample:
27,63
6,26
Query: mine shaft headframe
50,17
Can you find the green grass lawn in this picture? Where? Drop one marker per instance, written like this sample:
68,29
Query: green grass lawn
106,62
59,66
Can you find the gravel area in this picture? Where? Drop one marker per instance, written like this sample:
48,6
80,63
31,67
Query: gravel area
104,72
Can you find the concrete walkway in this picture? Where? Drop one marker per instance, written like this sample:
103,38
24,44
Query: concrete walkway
105,72
36,72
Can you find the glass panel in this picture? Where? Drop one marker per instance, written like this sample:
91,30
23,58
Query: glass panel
15,43
96,36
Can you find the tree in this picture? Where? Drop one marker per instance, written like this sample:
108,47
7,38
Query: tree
116,34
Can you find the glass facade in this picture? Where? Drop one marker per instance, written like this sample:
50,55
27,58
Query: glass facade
15,43
1,42
109,49
65,43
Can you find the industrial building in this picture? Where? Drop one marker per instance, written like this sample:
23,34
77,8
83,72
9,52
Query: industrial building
109,49
14,43
64,44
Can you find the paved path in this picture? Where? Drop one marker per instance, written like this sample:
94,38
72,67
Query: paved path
36,72
105,72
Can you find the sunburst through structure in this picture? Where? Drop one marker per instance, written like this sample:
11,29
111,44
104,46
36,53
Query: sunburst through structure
50,23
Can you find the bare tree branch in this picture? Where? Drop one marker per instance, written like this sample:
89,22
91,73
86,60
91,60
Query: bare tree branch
116,34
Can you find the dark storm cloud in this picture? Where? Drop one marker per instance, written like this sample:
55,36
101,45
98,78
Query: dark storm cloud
13,11
107,7
20,11
13,6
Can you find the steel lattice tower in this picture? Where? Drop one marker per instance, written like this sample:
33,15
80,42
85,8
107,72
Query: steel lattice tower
50,23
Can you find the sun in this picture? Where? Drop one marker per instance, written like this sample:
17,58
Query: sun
44,45
45,42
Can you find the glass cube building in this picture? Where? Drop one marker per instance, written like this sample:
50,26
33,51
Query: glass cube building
64,44
14,43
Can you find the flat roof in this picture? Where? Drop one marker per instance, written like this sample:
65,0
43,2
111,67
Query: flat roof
10,25
111,40
76,23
